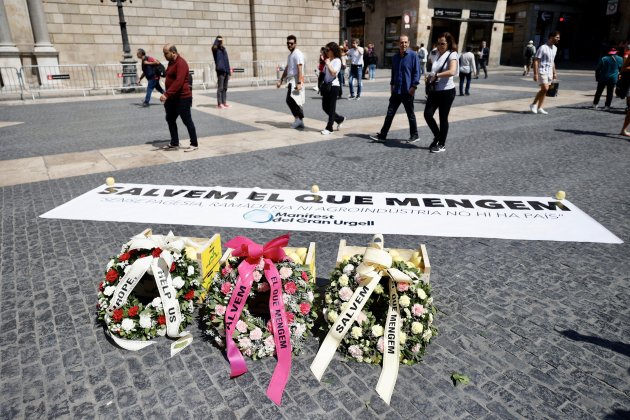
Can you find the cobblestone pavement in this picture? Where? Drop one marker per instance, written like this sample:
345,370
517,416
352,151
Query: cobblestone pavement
541,328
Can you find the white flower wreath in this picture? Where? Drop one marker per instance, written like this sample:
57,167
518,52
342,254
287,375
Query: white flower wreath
365,340
129,316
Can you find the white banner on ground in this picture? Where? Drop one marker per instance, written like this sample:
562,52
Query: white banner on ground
529,218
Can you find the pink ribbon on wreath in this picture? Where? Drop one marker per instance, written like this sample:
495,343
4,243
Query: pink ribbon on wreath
271,253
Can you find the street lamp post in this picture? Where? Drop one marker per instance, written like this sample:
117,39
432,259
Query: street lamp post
129,64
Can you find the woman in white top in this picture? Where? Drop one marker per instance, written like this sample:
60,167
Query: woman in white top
330,88
444,68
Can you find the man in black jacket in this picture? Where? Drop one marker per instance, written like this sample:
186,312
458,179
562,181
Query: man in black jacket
222,67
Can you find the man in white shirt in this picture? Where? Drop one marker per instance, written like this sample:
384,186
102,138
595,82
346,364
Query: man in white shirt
355,56
294,75
422,55
545,71
466,69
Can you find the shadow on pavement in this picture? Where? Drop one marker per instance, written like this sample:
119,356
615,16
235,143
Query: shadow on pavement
589,133
616,346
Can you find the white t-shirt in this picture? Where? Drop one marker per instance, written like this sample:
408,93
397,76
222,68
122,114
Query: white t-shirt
546,55
444,83
467,63
296,57
426,54
328,78
356,56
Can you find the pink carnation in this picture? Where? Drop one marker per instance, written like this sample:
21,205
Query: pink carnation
355,351
226,270
416,348
256,275
305,308
226,288
290,288
304,276
270,342
361,318
219,310
285,273
403,287
380,345
241,326
290,317
345,293
417,309
256,334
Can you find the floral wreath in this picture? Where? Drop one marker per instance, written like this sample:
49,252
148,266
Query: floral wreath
365,340
253,336
141,318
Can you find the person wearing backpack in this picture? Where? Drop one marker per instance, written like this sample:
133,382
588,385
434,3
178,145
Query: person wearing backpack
606,75
528,57
149,71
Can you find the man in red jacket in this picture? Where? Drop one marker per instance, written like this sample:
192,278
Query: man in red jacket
178,98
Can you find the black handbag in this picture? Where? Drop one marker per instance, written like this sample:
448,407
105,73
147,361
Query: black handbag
325,88
430,87
552,92
623,86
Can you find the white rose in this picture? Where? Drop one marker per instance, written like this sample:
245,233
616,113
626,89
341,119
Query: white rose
145,321
377,330
178,282
378,289
404,301
328,298
416,328
402,339
110,264
343,280
309,296
421,294
128,324
348,269
427,334
191,270
332,316
161,332
109,290
157,303
430,301
356,332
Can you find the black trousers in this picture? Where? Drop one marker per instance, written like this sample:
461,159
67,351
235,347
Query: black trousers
222,87
296,110
394,102
177,107
610,87
439,100
329,105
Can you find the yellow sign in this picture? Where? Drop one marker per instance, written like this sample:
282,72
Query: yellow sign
209,258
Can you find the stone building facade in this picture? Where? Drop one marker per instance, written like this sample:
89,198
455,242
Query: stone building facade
88,31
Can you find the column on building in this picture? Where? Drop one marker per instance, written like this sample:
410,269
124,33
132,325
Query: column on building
463,31
45,53
496,39
9,53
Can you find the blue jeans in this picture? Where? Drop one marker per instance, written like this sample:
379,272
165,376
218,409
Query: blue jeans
462,77
372,70
356,72
153,84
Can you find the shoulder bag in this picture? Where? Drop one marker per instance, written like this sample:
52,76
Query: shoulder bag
431,86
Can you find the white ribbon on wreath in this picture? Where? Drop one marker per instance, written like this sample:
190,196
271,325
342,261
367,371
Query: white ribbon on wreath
377,263
159,267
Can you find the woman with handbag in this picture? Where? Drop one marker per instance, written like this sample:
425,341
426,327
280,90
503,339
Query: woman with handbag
330,87
440,90
625,73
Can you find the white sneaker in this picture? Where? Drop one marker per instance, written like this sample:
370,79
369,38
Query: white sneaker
298,123
542,111
339,125
326,132
533,108
595,106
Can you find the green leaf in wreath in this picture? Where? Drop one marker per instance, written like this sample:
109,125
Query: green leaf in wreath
458,378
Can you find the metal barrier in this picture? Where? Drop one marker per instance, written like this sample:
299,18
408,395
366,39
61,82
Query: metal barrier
113,77
11,81
38,79
202,73
248,71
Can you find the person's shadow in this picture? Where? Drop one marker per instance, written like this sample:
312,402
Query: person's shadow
616,346
588,133
397,143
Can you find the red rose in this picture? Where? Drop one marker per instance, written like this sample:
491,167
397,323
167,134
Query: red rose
133,311
226,288
161,320
305,308
290,288
124,257
270,326
290,317
173,266
156,252
101,286
142,255
117,316
112,275
132,252
190,295
304,276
